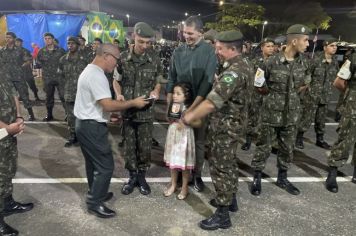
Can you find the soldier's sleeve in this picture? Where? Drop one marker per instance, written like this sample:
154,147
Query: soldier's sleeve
172,74
60,69
159,75
27,55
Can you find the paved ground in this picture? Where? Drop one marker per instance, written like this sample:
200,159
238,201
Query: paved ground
53,177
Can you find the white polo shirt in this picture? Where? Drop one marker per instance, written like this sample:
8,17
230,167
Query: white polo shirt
92,87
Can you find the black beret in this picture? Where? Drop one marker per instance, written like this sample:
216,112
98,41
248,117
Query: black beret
19,39
48,34
12,34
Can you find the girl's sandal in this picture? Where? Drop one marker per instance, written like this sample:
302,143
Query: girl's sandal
182,196
167,192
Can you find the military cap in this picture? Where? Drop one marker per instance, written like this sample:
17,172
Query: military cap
19,39
229,36
268,40
48,34
142,29
12,34
210,35
298,29
330,41
73,39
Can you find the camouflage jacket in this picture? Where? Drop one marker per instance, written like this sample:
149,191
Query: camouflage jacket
12,60
49,60
70,67
281,106
323,75
8,111
229,95
140,76
27,69
350,93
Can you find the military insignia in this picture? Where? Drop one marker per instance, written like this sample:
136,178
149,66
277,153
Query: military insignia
303,29
139,31
226,64
229,77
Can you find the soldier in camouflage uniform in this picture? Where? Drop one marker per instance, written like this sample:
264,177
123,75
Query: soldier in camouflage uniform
226,104
267,47
48,57
13,59
14,124
282,77
324,67
141,74
96,43
346,83
70,67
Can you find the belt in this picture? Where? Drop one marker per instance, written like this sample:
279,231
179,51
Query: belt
92,122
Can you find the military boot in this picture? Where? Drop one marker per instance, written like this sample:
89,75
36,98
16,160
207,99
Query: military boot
353,180
13,207
131,184
142,184
256,186
233,207
49,116
220,219
6,229
246,146
299,141
331,183
71,140
31,116
284,183
321,143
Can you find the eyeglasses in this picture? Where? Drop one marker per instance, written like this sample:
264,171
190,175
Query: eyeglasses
117,58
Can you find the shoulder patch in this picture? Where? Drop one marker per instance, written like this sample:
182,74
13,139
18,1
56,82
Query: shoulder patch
229,77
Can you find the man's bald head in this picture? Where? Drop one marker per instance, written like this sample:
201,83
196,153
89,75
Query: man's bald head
107,48
107,55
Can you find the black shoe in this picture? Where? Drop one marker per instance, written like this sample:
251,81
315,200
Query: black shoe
130,184
71,141
101,211
337,117
256,186
353,180
284,183
331,183
31,116
198,184
299,141
48,118
321,143
274,150
233,207
220,219
5,229
247,145
13,207
142,184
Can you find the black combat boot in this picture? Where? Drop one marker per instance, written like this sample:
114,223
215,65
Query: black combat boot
246,146
5,229
233,207
321,143
353,180
197,182
31,116
49,116
131,184
256,186
142,184
284,183
220,219
331,183
71,140
299,141
13,207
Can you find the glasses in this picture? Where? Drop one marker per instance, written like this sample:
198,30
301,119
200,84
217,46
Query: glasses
117,58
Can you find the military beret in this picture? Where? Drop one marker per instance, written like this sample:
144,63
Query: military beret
229,36
12,34
210,35
73,39
330,41
19,39
48,34
268,40
298,29
98,40
81,37
142,29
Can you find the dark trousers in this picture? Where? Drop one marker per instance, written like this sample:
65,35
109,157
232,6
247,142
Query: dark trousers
99,162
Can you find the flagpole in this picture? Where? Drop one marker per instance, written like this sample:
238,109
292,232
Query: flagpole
315,41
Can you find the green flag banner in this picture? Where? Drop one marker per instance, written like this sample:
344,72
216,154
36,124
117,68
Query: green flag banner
114,30
97,25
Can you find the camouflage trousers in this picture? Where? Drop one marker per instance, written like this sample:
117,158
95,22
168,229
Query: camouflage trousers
31,82
70,116
340,103
224,171
313,111
285,138
8,166
346,139
22,89
137,144
199,137
50,88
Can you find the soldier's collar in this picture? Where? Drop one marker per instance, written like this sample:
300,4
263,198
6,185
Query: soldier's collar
283,59
230,61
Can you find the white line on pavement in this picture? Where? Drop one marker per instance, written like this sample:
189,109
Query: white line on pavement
166,180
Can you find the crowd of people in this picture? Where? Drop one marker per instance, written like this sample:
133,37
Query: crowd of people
218,96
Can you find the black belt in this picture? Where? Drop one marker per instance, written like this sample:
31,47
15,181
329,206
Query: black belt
90,121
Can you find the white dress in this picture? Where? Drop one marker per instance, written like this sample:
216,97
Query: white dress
179,150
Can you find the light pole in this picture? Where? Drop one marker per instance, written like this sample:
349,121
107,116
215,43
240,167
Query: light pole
263,28
128,20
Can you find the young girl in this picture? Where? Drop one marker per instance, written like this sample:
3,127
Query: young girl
179,151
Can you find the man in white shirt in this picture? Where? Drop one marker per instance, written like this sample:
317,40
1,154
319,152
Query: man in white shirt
92,106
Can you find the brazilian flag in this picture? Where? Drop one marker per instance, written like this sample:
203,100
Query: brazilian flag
114,30
97,25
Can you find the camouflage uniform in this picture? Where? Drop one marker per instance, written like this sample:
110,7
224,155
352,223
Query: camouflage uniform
27,73
317,97
281,108
49,60
70,67
227,126
347,127
140,75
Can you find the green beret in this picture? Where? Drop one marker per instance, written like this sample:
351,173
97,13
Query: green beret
12,34
142,29
48,34
19,40
229,36
330,41
210,35
73,39
298,29
268,40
